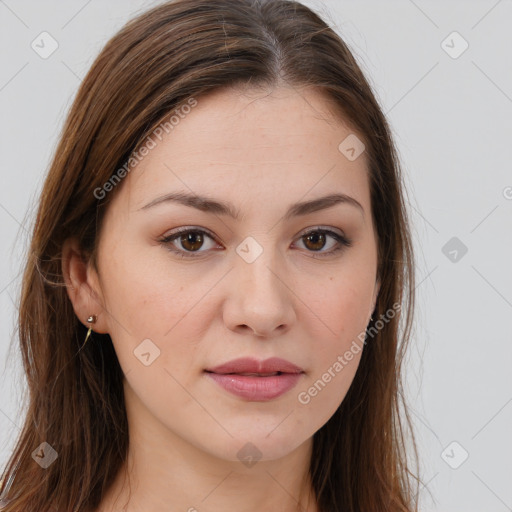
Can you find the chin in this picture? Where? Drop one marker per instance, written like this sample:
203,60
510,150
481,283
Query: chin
252,445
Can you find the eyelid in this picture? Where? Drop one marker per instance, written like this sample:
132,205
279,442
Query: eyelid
343,242
319,227
186,229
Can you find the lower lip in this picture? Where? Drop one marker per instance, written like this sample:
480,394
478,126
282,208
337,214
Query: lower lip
256,388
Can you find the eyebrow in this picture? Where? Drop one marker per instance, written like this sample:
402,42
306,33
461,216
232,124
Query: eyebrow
210,205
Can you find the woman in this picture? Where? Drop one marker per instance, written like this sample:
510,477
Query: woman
218,270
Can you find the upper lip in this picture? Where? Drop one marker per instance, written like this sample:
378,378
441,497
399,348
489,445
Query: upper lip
251,365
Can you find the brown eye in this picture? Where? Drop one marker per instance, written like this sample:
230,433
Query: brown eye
315,241
188,242
191,241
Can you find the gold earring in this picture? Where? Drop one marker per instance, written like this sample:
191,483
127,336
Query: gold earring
91,320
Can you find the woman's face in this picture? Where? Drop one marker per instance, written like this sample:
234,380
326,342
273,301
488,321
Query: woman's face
268,283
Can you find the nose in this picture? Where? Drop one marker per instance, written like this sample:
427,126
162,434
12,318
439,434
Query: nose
259,298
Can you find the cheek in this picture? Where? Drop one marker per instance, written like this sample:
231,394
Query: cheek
339,295
149,297
155,331
337,355
341,314
342,305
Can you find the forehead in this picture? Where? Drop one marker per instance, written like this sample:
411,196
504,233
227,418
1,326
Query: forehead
239,144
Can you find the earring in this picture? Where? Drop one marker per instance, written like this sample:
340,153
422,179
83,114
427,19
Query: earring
90,320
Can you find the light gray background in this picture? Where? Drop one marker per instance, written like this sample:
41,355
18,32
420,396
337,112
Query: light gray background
451,120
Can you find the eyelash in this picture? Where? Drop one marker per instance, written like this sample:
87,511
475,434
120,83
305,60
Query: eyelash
167,240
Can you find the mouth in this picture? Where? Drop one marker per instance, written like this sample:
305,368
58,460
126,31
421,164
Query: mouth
256,381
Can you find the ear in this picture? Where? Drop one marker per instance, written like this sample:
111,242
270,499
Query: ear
83,286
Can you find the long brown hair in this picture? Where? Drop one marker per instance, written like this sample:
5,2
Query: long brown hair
159,60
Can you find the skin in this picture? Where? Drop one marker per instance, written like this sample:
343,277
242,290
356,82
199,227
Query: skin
262,151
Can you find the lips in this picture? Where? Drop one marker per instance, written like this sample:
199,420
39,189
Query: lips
252,367
255,380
